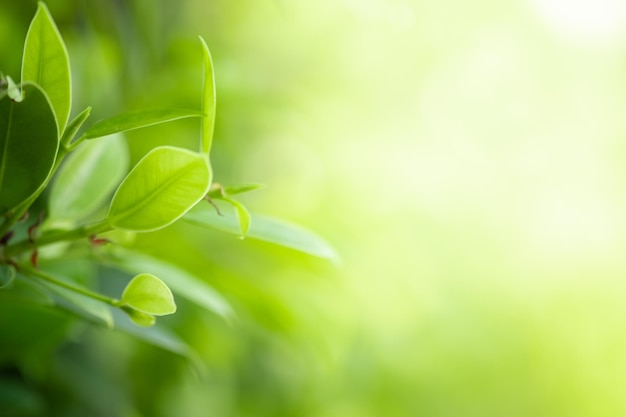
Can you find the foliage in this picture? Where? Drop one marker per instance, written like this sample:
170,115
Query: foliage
71,209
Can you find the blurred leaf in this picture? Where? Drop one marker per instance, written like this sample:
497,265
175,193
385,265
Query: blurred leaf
7,275
87,178
267,229
84,307
208,98
137,120
46,63
150,295
160,189
156,335
180,281
243,215
28,146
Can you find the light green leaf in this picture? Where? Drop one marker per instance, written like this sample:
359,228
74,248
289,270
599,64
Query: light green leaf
28,146
208,98
266,229
46,63
160,189
138,317
74,125
7,275
149,295
137,120
87,178
243,215
181,282
218,191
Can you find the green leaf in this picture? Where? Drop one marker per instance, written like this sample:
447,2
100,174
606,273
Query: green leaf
46,63
74,125
87,178
85,307
160,189
7,275
218,191
183,283
243,215
28,146
266,229
208,98
138,317
149,295
137,120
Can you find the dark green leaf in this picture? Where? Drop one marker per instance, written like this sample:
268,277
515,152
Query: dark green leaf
28,146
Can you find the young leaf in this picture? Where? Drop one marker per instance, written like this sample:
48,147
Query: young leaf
218,191
179,280
243,215
28,146
266,229
137,120
46,63
208,99
87,178
13,90
149,295
74,125
160,189
138,317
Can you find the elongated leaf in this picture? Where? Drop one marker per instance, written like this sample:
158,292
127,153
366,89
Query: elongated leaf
208,99
155,336
74,126
181,282
87,308
137,120
28,146
150,295
267,229
160,189
219,191
87,178
46,63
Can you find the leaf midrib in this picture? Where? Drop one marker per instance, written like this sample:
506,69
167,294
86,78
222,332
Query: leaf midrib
154,194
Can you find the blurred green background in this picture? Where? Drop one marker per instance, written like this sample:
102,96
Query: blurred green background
466,159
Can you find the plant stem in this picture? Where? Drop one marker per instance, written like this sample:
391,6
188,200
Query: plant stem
72,287
54,237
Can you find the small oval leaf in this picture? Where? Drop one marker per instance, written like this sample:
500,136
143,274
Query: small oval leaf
137,120
46,63
28,146
243,215
160,189
87,178
149,295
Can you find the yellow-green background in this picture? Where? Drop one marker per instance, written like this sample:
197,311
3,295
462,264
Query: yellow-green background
466,159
